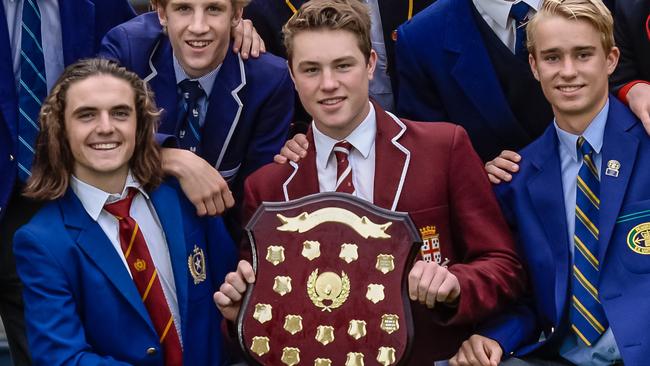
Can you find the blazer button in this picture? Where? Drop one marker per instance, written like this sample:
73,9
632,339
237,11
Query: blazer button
151,351
11,157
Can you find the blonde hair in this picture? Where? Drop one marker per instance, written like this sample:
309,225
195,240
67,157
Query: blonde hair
349,15
235,3
592,11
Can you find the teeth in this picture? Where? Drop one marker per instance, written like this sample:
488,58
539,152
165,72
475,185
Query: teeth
331,101
105,146
569,88
198,43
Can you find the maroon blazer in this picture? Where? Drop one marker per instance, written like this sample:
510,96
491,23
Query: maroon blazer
431,171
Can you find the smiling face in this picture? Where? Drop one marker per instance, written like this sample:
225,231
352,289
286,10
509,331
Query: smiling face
332,77
199,32
100,124
573,69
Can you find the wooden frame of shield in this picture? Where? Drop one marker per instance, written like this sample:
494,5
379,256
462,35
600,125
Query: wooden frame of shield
329,269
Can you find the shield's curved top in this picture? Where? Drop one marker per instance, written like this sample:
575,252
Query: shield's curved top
330,283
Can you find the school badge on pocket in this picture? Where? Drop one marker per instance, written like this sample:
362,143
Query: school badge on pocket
196,263
331,275
638,239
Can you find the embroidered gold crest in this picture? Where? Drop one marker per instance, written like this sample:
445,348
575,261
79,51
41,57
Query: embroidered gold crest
638,239
196,263
140,265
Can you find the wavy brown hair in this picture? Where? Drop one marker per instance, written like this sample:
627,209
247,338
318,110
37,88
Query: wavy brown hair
54,162
350,15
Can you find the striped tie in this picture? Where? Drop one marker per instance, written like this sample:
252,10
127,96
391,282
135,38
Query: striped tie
588,319
519,12
145,277
343,169
33,86
190,127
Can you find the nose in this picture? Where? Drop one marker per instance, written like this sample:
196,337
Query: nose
105,124
568,69
329,81
198,24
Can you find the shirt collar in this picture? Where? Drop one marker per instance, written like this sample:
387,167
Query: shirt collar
93,199
499,10
362,138
206,81
594,134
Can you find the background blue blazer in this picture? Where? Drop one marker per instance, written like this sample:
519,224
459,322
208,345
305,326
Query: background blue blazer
533,203
81,305
83,24
445,74
251,103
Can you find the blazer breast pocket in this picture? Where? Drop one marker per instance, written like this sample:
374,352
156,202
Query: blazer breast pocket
197,267
631,236
433,227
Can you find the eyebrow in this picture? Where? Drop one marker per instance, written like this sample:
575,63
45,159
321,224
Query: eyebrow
575,49
84,109
337,60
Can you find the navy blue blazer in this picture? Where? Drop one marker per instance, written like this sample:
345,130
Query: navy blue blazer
533,203
250,106
81,305
445,74
83,24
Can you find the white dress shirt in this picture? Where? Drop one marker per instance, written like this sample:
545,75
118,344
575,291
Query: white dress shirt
142,211
496,14
361,158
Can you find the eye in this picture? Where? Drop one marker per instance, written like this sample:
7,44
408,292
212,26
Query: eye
310,70
213,9
551,58
121,114
343,66
584,55
86,116
182,8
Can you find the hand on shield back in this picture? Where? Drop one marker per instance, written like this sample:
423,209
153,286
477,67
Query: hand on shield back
228,298
430,282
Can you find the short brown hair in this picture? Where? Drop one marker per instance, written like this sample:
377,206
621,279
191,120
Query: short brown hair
235,3
350,15
592,11
54,162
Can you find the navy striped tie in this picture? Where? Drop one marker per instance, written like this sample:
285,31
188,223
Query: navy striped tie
33,86
519,12
588,319
190,127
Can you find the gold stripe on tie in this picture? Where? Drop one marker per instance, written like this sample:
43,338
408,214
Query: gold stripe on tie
151,281
591,166
585,283
585,220
410,14
588,192
291,6
590,318
128,249
167,327
579,333
585,252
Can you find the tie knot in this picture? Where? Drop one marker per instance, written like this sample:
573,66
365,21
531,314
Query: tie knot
121,208
519,11
584,148
343,147
191,90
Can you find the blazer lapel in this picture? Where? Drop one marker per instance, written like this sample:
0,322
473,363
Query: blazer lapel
162,79
621,146
78,29
391,160
546,194
224,109
304,179
165,200
92,240
473,63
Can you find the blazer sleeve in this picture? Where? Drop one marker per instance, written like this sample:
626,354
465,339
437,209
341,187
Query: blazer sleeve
417,97
115,46
490,273
54,330
627,68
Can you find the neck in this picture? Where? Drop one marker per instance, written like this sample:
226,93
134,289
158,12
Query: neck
344,130
110,183
577,123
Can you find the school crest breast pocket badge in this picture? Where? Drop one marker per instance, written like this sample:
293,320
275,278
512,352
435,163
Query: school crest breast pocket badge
196,264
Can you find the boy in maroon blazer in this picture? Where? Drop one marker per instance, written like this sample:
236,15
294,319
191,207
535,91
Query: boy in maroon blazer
426,169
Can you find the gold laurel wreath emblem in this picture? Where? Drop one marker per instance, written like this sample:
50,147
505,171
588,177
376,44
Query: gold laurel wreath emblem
328,287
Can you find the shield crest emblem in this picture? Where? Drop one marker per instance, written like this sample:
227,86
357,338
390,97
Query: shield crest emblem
331,283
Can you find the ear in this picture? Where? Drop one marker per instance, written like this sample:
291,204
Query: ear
372,63
236,16
612,59
162,15
533,66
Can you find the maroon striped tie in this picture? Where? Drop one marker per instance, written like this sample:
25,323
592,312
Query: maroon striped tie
146,279
343,169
